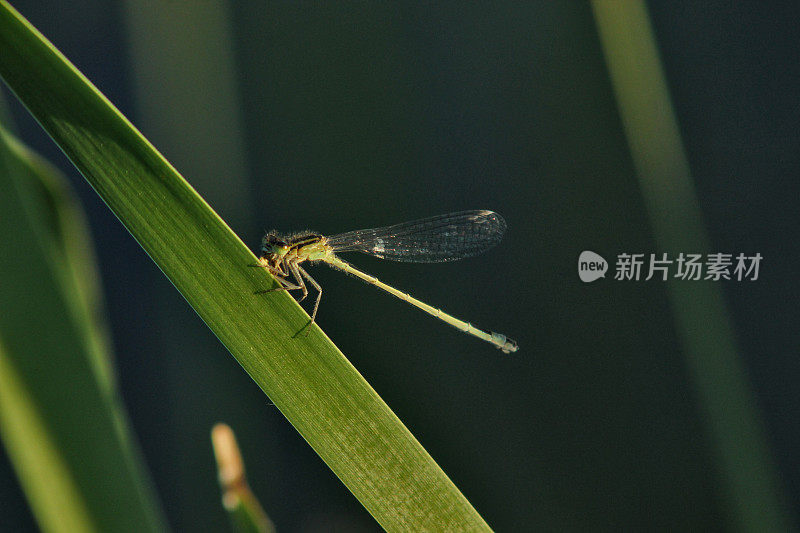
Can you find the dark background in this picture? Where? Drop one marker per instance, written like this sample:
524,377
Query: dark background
358,115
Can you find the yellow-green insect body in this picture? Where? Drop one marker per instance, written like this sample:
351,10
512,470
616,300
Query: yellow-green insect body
435,239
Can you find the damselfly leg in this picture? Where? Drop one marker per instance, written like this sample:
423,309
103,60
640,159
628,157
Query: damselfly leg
298,273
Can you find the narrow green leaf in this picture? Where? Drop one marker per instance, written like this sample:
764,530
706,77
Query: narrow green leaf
306,376
53,493
751,489
59,411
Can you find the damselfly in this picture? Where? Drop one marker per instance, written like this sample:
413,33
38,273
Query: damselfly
429,240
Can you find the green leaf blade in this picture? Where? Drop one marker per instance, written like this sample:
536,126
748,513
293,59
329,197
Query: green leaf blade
306,376
59,411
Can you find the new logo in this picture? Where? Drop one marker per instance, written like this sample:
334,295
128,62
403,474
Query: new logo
591,266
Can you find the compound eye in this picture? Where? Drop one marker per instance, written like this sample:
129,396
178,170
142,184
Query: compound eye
274,240
271,239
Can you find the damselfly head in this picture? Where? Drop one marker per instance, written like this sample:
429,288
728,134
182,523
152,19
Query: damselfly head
273,245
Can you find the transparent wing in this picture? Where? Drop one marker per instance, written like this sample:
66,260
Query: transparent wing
429,240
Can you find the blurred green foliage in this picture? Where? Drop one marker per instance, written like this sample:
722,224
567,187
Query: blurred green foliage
60,417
